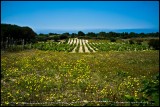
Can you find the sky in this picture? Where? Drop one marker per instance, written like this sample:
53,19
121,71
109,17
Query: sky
70,16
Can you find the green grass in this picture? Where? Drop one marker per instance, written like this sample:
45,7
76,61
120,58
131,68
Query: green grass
35,76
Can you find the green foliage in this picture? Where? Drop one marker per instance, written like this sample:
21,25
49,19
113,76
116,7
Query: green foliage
139,41
100,79
120,47
80,33
102,34
151,90
72,46
154,43
63,36
92,46
42,38
112,39
131,42
56,38
122,73
129,98
91,34
54,46
73,35
17,33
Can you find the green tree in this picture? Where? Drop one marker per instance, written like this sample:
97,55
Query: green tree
66,34
63,36
15,33
132,34
91,34
102,34
73,35
56,38
80,33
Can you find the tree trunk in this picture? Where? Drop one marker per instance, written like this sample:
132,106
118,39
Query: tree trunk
22,44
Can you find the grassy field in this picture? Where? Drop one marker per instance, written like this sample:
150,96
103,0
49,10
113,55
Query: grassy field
34,77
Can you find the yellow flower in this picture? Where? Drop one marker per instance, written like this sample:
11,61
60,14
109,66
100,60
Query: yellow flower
17,91
135,93
28,94
6,102
85,101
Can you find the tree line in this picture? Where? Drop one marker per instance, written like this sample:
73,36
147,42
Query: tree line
100,35
14,34
17,33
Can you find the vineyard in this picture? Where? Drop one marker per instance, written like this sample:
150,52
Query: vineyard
80,72
75,45
72,45
83,46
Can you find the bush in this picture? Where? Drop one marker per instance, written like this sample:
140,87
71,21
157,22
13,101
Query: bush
139,41
112,39
63,36
131,42
56,38
151,89
154,43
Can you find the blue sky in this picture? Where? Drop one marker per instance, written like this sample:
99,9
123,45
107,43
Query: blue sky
81,15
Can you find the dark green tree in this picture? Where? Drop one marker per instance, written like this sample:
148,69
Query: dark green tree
91,34
56,38
102,34
80,33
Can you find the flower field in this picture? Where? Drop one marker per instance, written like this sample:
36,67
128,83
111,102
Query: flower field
36,77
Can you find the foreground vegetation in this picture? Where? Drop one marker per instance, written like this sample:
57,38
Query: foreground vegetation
34,77
122,68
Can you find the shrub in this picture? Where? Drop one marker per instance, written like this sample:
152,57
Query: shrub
131,42
56,38
63,36
139,41
112,39
154,43
151,89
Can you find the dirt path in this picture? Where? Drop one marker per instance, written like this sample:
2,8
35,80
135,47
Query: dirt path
80,48
94,46
72,40
85,47
74,50
90,47
69,41
77,41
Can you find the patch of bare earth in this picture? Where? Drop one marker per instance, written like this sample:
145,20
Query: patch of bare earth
80,48
85,47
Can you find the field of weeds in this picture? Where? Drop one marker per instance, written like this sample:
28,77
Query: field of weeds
35,77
